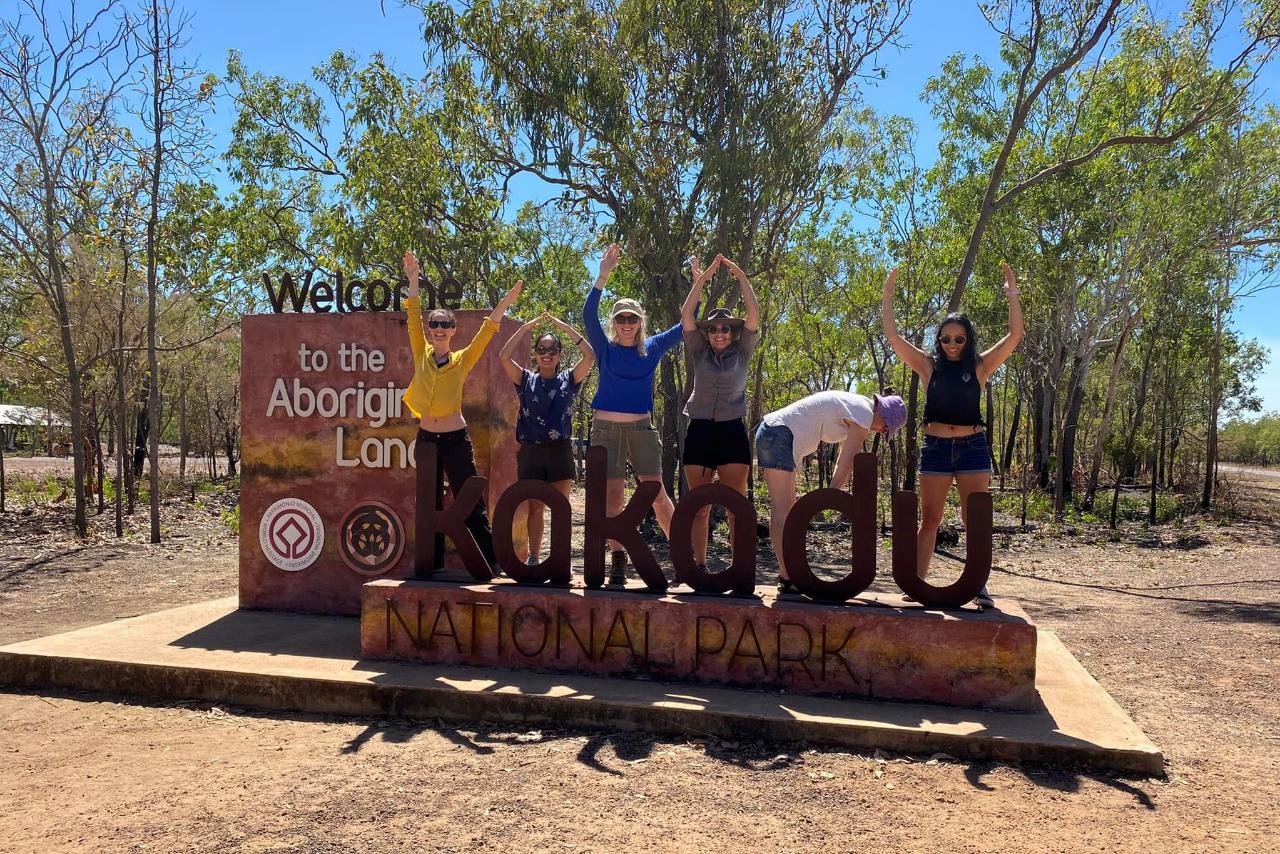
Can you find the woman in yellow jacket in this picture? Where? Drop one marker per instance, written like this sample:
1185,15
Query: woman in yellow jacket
435,397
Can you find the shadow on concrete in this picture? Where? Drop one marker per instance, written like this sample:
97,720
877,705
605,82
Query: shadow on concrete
310,635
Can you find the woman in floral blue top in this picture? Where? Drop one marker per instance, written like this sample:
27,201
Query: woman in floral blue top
544,427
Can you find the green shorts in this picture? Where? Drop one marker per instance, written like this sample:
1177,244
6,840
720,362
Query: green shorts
634,442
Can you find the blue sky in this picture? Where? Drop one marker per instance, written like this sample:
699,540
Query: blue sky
289,37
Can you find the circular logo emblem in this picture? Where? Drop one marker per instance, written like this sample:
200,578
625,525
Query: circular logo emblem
371,539
291,534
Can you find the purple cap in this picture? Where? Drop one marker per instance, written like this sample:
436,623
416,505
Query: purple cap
893,411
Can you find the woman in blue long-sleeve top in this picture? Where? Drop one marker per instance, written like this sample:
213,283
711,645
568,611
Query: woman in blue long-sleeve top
622,408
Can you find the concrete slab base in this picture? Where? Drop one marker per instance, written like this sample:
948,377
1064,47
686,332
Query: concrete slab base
271,660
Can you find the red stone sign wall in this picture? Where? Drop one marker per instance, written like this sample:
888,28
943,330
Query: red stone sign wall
327,476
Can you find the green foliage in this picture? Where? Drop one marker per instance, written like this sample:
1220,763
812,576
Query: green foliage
1255,442
231,518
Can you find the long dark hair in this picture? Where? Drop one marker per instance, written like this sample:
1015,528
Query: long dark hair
969,356
559,346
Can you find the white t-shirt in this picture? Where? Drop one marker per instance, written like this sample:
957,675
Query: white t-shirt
821,417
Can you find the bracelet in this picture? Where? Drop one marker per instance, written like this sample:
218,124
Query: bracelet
578,343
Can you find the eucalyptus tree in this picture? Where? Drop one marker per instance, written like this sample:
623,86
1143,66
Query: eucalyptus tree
1159,84
661,117
60,85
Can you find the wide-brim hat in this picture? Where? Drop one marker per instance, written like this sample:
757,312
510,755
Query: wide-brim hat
626,305
721,315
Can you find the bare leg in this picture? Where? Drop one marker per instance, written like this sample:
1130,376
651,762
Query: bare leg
966,485
700,476
782,497
536,509
933,499
662,506
734,476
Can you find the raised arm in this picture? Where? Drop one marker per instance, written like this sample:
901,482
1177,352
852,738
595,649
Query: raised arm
471,354
413,307
915,358
752,320
689,311
999,353
587,356
591,308
514,370
506,302
849,449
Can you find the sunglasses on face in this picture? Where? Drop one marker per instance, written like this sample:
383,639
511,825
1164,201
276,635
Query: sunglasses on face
546,351
440,324
718,330
947,339
627,319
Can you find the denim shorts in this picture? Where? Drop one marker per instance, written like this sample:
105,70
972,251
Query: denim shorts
965,455
773,447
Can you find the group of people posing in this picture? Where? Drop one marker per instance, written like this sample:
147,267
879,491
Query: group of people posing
719,348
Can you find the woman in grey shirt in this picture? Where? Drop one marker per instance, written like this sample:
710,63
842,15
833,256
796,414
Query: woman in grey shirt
719,352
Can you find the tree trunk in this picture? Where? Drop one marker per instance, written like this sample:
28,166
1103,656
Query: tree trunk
1067,445
1104,424
141,428
913,425
153,223
1013,433
101,463
184,436
229,440
991,446
1215,403
1131,465
670,425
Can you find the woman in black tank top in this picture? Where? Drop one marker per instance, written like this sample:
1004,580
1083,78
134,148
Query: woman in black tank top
954,375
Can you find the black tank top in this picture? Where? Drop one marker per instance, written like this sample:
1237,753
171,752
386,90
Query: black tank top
954,395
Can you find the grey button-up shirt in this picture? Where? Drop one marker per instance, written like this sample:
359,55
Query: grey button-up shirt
719,381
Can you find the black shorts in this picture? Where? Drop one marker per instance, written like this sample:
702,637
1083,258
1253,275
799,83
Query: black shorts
712,444
550,462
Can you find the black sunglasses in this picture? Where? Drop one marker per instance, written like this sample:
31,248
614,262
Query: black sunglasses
947,339
440,324
627,319
713,329
546,351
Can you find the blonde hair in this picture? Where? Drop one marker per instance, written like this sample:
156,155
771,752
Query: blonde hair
641,333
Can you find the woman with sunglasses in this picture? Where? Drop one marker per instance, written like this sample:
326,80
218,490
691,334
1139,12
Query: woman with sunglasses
544,425
955,442
435,398
622,408
719,352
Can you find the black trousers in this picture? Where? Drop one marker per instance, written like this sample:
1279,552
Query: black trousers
456,460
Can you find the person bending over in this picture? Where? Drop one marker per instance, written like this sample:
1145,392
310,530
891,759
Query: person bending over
788,435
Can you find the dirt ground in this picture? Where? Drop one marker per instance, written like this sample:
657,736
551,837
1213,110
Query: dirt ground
1179,624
